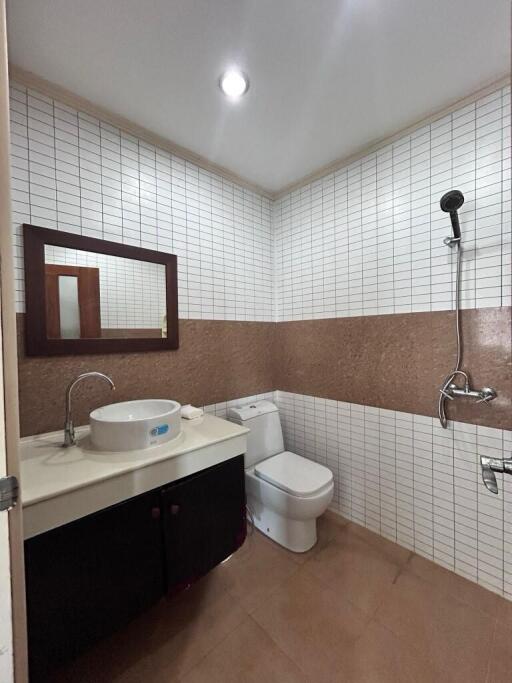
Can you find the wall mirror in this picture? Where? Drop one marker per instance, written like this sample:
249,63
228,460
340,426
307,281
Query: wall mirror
86,295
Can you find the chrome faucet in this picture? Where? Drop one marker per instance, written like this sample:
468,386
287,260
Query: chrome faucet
492,465
450,390
69,428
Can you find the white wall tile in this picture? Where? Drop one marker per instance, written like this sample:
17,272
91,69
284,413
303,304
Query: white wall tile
368,239
405,477
75,173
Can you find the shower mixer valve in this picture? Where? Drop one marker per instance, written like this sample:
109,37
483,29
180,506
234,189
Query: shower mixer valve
450,390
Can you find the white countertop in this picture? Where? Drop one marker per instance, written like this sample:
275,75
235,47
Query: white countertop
61,484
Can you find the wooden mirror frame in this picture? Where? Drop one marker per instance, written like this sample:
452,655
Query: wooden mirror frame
36,341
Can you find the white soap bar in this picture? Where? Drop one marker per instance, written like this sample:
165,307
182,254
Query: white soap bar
190,412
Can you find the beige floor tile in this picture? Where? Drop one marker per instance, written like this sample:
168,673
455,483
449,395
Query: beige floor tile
504,612
354,569
205,629
391,551
254,544
248,655
500,663
311,625
455,637
356,609
379,656
456,586
339,520
256,570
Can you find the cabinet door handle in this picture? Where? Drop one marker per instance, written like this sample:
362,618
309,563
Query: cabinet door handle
155,513
174,509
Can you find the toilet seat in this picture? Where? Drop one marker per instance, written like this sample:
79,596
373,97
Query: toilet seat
294,474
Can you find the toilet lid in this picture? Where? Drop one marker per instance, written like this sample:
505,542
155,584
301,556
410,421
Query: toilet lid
294,474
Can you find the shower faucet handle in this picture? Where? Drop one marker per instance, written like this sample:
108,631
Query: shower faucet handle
488,476
490,466
486,394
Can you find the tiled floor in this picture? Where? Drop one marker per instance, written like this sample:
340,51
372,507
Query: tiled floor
356,608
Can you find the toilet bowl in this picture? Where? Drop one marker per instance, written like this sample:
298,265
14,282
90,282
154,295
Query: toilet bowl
286,493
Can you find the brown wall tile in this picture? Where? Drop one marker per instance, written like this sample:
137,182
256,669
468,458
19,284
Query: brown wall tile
217,361
389,361
398,361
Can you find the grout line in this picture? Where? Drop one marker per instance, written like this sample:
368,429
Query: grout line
297,230
440,442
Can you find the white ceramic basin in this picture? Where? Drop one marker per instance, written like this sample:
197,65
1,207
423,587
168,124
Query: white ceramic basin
134,425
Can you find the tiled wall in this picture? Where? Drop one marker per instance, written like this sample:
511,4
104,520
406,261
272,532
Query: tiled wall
405,477
217,360
364,240
399,361
132,293
368,238
75,173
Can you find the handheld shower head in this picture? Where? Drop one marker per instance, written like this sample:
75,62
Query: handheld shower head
451,203
452,200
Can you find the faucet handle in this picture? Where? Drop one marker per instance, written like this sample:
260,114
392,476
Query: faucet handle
489,478
492,465
487,394
446,394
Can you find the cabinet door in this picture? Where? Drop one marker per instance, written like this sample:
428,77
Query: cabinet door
203,521
227,513
87,578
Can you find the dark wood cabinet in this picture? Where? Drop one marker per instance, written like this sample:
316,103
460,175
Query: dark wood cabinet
203,520
86,579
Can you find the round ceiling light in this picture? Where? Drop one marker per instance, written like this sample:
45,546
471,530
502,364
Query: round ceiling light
234,84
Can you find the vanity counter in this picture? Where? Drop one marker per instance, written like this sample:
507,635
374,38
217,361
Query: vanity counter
59,485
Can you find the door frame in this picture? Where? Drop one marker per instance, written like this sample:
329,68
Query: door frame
9,417
88,286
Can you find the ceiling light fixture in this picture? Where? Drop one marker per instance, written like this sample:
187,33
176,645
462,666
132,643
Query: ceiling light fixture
234,84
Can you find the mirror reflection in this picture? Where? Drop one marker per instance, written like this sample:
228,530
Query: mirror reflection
93,295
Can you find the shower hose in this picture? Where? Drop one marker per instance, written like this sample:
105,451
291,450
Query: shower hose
447,380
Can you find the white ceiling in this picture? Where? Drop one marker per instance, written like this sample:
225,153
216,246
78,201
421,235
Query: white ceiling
327,76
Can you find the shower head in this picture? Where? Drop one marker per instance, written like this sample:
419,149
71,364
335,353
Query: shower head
451,203
452,200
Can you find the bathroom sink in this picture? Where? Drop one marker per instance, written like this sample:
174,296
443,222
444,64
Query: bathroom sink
135,425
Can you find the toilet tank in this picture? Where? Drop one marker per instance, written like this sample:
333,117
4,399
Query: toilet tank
266,436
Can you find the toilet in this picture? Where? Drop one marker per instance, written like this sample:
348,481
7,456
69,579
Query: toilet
285,492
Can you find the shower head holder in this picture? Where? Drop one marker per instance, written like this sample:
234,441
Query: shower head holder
451,241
